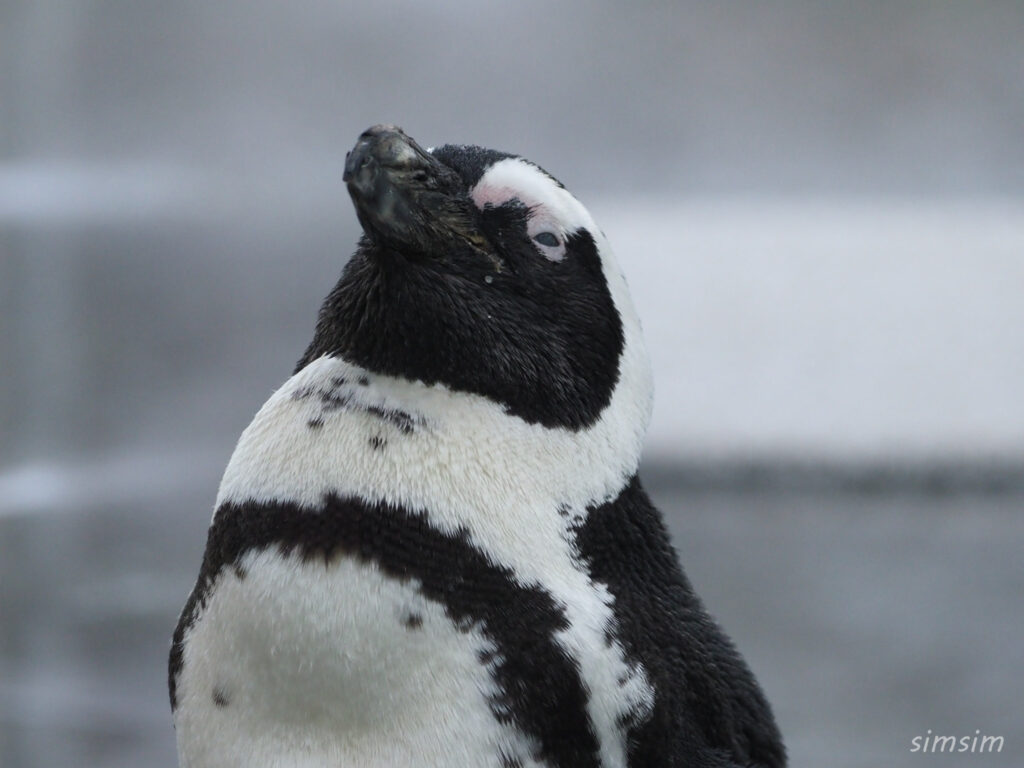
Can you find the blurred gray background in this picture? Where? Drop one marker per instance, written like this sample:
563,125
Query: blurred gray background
820,209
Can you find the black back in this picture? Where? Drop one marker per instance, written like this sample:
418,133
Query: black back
709,709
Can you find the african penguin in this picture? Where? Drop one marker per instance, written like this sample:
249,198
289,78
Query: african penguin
430,546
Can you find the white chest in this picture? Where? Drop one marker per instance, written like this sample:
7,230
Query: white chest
312,663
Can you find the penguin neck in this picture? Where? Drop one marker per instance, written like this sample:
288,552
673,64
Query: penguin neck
336,428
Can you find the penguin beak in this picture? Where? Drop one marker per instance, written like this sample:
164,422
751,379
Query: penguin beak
405,199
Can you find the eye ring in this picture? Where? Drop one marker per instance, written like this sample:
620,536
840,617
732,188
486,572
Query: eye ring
550,239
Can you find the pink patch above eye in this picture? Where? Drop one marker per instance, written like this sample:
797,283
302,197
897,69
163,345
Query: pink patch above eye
487,195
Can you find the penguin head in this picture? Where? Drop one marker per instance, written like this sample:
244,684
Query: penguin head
479,271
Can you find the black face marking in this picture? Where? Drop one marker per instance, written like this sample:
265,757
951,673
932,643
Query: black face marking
540,689
541,337
220,697
378,443
412,620
707,702
315,423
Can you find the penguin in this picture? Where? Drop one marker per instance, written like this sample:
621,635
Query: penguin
431,546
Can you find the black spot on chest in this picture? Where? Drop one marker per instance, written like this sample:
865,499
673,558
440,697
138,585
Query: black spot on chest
221,699
334,396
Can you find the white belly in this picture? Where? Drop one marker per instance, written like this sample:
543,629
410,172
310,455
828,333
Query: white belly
302,663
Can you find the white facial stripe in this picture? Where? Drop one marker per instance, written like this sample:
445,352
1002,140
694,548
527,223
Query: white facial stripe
514,178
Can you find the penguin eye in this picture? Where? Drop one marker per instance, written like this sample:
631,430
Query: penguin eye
550,245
